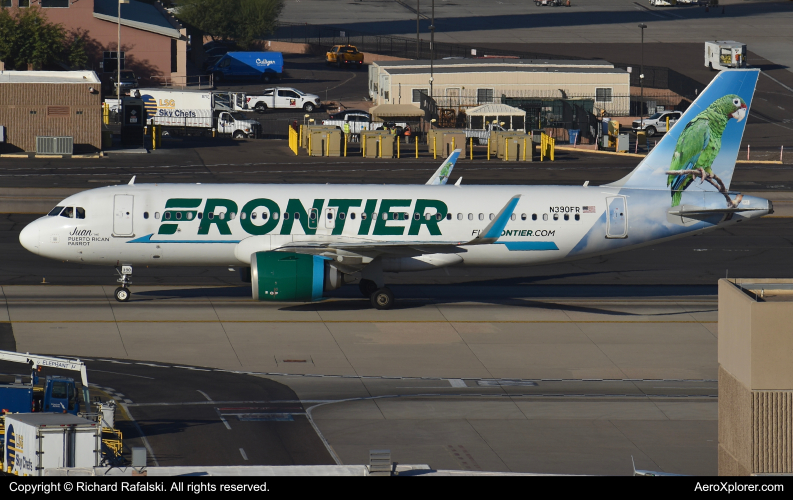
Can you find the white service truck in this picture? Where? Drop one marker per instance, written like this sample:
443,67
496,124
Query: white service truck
725,54
38,441
198,112
283,98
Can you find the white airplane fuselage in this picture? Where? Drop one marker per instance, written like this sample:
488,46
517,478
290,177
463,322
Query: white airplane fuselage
128,225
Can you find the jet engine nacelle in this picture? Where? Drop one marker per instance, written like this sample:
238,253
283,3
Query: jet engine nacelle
292,277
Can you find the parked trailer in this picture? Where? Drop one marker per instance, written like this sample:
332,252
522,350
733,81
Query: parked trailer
198,112
263,66
38,441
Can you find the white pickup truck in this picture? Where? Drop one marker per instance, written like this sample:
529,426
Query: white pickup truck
283,98
358,120
657,122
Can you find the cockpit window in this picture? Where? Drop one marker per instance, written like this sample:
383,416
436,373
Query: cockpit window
55,211
80,212
68,212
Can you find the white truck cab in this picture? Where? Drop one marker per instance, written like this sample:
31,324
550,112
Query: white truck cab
284,98
657,122
725,54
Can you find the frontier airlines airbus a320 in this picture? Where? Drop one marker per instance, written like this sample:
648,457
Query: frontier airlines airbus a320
303,240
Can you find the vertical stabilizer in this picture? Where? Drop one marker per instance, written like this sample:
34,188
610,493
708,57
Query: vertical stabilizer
699,151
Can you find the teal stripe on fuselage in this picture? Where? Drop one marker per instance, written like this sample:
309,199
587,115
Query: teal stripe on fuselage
147,239
525,246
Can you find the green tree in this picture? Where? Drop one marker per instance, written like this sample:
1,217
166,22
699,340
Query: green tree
27,40
77,54
241,20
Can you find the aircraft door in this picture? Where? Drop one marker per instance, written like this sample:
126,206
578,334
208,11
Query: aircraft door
330,218
617,217
122,214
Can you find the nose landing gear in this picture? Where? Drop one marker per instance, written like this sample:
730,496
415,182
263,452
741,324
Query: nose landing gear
122,293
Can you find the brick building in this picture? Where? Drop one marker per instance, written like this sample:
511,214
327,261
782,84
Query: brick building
50,104
153,42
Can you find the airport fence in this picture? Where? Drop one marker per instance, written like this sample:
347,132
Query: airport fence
324,37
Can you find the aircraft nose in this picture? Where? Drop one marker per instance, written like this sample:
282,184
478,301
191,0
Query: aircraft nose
29,238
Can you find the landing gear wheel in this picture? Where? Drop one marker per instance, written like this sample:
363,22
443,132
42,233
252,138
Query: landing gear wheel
382,299
367,288
123,294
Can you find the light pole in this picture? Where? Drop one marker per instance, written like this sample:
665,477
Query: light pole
641,79
432,47
118,56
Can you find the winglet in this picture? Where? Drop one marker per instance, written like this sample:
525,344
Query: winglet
445,170
459,180
493,230
132,181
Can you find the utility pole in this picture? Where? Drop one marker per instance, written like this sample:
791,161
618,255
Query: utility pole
418,30
118,56
641,78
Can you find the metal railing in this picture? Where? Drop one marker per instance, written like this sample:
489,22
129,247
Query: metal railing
189,81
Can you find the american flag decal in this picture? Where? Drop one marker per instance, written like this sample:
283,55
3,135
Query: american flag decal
588,209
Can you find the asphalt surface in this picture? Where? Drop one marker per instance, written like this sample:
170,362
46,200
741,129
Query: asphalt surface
194,416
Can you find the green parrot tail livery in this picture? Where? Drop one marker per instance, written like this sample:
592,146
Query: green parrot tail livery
699,151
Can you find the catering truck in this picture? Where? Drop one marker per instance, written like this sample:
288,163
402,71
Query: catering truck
38,441
198,112
725,54
263,66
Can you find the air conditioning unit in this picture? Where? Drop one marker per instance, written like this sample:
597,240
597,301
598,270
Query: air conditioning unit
55,145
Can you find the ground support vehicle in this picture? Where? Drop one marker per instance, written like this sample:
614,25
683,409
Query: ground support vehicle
59,396
283,98
725,54
344,55
656,122
38,441
264,66
482,135
198,112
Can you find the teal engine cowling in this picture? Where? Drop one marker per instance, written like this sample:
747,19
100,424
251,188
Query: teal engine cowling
292,277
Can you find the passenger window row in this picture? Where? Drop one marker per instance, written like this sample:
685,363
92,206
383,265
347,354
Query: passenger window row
80,214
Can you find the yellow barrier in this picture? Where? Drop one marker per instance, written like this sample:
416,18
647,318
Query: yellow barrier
300,137
488,148
417,146
105,113
380,146
309,144
434,151
294,140
667,123
471,148
453,145
327,144
345,144
547,146
542,146
506,149
397,147
524,149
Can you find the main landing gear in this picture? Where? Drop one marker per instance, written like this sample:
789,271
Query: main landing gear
381,298
122,293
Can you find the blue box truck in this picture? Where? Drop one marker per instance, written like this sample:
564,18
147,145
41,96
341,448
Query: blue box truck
262,66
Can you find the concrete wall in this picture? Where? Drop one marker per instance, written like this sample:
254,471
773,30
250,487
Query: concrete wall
755,381
82,120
